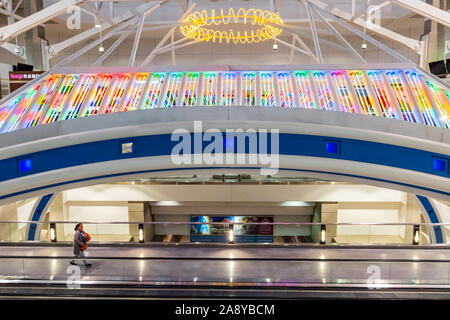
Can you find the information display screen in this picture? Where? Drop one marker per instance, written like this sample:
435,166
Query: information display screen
218,232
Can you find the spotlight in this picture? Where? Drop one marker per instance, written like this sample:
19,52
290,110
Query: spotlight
141,233
101,49
323,233
52,232
416,235
275,46
364,46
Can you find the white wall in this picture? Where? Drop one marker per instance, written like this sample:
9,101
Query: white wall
235,193
101,213
368,216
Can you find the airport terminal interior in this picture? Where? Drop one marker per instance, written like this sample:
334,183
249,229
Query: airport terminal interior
225,148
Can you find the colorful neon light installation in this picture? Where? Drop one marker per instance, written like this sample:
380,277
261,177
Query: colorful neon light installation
422,98
58,101
116,93
173,88
402,96
96,98
209,97
191,88
306,100
443,104
248,89
133,95
229,88
381,92
285,89
267,89
364,97
326,101
201,26
155,86
78,97
344,96
31,117
16,113
407,94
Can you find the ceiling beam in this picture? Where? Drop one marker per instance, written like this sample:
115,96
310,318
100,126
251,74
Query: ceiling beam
426,10
57,48
13,30
412,44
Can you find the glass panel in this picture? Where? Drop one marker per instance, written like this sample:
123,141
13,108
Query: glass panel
285,89
191,89
134,93
209,92
229,85
364,97
304,90
345,98
248,89
384,99
386,234
402,95
97,95
60,98
352,234
50,87
267,89
422,98
78,96
154,90
173,89
323,88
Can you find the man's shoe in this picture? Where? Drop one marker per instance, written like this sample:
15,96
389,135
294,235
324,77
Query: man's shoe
73,263
88,265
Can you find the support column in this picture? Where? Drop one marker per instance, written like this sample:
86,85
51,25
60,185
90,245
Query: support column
34,37
329,215
149,229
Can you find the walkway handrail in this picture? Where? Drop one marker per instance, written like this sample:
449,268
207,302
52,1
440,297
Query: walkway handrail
238,223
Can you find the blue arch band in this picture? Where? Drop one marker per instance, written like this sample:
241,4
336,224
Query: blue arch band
433,217
162,145
43,202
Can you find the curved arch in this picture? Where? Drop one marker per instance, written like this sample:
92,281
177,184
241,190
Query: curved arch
41,206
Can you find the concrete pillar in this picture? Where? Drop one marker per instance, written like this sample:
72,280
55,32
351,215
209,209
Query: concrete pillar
329,215
437,34
149,229
34,37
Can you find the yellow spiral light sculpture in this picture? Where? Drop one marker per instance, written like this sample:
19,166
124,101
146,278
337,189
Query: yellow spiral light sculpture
197,26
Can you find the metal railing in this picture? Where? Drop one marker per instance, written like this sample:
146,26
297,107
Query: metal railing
182,231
